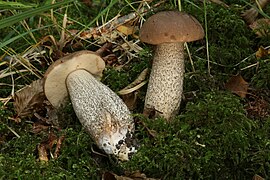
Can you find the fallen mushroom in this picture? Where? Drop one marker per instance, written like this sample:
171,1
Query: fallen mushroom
103,114
168,30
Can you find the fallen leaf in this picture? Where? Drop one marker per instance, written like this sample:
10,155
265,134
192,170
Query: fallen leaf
136,84
126,29
261,52
42,153
129,93
111,60
29,99
39,127
58,147
47,146
261,27
251,14
257,177
237,85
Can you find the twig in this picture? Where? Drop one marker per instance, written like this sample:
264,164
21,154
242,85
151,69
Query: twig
16,134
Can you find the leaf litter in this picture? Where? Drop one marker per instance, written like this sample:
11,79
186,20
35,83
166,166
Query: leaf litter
114,32
30,101
237,85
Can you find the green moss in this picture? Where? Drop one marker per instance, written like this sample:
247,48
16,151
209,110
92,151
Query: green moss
212,139
19,158
262,77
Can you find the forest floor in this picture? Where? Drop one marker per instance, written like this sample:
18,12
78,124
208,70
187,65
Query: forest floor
222,130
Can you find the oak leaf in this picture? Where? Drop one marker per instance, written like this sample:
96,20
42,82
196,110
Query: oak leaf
28,99
237,85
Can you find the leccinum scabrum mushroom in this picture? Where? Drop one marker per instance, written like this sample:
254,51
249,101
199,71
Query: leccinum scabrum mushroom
168,30
98,108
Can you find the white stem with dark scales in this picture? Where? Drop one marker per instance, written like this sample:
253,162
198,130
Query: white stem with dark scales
102,113
165,85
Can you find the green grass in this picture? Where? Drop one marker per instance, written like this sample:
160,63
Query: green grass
213,137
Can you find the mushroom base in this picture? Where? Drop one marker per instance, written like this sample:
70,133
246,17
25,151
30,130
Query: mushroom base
165,85
102,113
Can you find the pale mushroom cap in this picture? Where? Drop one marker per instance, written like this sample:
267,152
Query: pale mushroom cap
55,77
169,27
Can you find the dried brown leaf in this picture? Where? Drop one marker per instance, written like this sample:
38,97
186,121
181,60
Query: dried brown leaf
42,153
39,127
51,141
29,99
58,147
257,177
251,14
261,27
261,52
126,29
237,85
48,145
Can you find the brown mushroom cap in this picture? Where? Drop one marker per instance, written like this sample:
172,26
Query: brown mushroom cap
169,27
55,77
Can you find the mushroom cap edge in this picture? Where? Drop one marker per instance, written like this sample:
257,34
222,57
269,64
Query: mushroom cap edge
169,27
55,77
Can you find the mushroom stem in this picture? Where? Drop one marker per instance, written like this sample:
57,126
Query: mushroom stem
102,113
166,80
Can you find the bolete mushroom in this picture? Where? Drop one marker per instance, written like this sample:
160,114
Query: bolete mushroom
103,114
168,30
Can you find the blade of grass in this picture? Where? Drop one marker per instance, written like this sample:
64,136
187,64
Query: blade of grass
16,5
206,37
5,43
112,3
259,9
193,4
29,13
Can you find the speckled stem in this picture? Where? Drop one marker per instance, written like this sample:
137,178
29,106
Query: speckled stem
102,113
166,80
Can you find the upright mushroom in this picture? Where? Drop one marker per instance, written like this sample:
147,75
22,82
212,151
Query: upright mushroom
98,108
168,30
